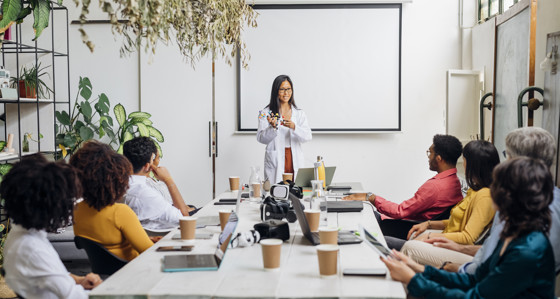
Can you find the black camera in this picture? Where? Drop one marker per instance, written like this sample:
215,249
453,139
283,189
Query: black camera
277,206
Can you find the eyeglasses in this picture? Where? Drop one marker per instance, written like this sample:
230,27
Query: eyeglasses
428,153
505,154
282,90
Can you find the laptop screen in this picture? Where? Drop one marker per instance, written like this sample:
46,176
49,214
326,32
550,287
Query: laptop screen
304,176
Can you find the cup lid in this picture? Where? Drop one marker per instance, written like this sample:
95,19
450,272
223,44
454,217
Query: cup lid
271,242
188,218
327,247
328,229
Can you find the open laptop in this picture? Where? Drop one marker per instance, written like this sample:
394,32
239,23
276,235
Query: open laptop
344,237
204,221
306,175
202,262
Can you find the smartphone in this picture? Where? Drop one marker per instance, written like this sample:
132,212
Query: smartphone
174,248
234,200
224,203
365,271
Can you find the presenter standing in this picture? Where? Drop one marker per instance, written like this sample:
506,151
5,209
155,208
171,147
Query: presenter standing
283,128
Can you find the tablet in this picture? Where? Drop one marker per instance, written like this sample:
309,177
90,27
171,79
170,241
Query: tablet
376,245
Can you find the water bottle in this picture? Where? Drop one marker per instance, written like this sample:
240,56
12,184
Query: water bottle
319,201
321,171
255,186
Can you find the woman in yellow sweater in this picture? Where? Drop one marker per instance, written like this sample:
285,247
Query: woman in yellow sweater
468,218
104,175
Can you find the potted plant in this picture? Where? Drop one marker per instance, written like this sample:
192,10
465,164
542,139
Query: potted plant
30,82
136,124
88,118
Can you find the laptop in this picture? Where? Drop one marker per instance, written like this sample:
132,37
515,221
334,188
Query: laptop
343,206
304,176
344,237
204,221
202,262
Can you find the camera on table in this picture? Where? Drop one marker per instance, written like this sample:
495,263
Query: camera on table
277,206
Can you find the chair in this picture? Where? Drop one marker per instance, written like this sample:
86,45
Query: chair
102,261
399,228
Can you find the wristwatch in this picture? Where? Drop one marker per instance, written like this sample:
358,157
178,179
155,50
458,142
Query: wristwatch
368,195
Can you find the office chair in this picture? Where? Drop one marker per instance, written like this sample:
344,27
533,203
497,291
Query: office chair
102,261
399,228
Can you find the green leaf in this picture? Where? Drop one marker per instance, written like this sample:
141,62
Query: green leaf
139,114
120,114
78,125
156,134
143,130
5,168
101,132
120,150
86,133
86,110
142,120
70,141
109,120
23,13
159,149
127,136
41,15
63,117
85,88
111,134
103,99
11,9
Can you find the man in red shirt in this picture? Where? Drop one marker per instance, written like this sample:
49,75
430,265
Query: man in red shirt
435,196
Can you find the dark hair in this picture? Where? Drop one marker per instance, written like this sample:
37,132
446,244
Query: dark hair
274,105
139,151
522,191
104,174
448,147
481,157
40,194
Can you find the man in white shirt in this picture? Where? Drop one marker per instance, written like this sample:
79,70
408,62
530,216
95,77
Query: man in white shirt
153,211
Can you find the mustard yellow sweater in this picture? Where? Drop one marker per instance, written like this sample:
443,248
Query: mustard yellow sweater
116,227
469,217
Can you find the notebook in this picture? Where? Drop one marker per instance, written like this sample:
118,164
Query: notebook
344,237
304,176
202,262
343,206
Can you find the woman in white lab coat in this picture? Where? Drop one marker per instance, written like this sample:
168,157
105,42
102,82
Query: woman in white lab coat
283,128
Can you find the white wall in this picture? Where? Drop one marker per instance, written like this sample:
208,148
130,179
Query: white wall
393,165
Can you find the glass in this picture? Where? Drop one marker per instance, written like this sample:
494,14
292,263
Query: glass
319,201
428,153
282,90
494,7
483,10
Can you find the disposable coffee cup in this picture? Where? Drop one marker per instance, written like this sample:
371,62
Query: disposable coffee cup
271,249
224,217
313,217
328,259
328,235
256,189
233,183
188,227
287,176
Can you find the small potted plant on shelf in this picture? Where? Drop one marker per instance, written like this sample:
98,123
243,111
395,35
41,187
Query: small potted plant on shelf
25,143
31,84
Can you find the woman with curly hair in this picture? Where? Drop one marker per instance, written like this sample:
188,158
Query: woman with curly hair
104,176
521,266
39,198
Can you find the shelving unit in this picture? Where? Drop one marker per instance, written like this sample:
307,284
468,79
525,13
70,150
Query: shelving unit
30,115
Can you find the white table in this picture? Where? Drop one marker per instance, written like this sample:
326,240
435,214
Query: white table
241,273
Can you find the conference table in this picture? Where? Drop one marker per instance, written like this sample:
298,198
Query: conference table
241,273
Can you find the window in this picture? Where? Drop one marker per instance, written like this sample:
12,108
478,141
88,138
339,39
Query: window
490,8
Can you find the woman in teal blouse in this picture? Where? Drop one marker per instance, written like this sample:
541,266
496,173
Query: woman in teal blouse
521,266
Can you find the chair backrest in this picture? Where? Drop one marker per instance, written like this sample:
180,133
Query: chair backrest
102,261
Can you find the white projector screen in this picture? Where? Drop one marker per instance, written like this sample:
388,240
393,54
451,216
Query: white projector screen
343,59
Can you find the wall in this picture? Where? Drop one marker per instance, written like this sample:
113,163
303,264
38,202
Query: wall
393,165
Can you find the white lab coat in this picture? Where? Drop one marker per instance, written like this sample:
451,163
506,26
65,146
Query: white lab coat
275,144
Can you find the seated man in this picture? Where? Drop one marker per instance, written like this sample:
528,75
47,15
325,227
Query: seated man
433,198
153,211
531,142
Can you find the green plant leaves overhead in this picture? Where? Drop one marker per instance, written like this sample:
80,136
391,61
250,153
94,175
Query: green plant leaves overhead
143,130
85,88
139,114
103,104
156,134
120,114
11,9
127,136
41,14
63,117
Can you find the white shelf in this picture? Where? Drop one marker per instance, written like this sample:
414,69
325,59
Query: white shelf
28,100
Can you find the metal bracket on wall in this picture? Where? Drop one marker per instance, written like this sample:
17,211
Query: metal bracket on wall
482,106
532,104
